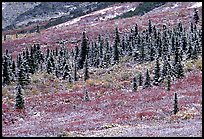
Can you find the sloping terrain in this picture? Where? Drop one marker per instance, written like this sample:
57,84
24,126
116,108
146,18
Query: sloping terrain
21,14
121,110
94,25
55,107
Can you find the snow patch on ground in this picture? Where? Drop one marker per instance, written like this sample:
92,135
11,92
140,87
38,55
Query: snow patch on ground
175,5
196,5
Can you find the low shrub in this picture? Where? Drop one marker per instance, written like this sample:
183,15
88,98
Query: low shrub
198,64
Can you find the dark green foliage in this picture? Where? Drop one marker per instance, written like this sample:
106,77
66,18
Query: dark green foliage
67,73
168,83
86,72
140,79
195,16
147,82
49,67
156,73
176,109
83,51
115,47
75,72
178,67
23,74
134,84
19,98
150,27
6,70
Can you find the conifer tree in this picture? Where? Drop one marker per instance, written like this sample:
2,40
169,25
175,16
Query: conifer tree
134,84
86,72
19,98
115,47
147,82
176,109
67,73
178,67
150,27
189,51
83,51
13,68
49,67
140,79
168,82
195,16
156,73
23,75
6,70
75,72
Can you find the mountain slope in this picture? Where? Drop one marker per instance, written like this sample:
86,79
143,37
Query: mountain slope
21,13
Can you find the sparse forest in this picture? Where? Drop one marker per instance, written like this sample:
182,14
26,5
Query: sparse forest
140,75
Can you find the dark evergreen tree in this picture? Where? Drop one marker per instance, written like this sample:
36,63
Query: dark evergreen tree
13,68
115,47
195,16
150,27
19,98
176,109
75,72
134,84
147,82
6,70
86,72
76,52
157,73
136,30
67,73
83,51
140,79
49,67
178,67
168,82
189,51
194,53
23,75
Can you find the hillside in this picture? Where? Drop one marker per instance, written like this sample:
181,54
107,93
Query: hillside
71,31
118,71
22,14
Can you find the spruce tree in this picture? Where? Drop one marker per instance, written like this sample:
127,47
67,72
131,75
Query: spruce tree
156,72
176,109
23,75
150,27
147,82
6,70
83,51
75,72
168,83
86,72
140,79
115,47
195,16
19,98
49,67
134,84
67,73
189,51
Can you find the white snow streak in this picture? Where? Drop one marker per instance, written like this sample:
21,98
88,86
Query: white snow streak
196,5
176,5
